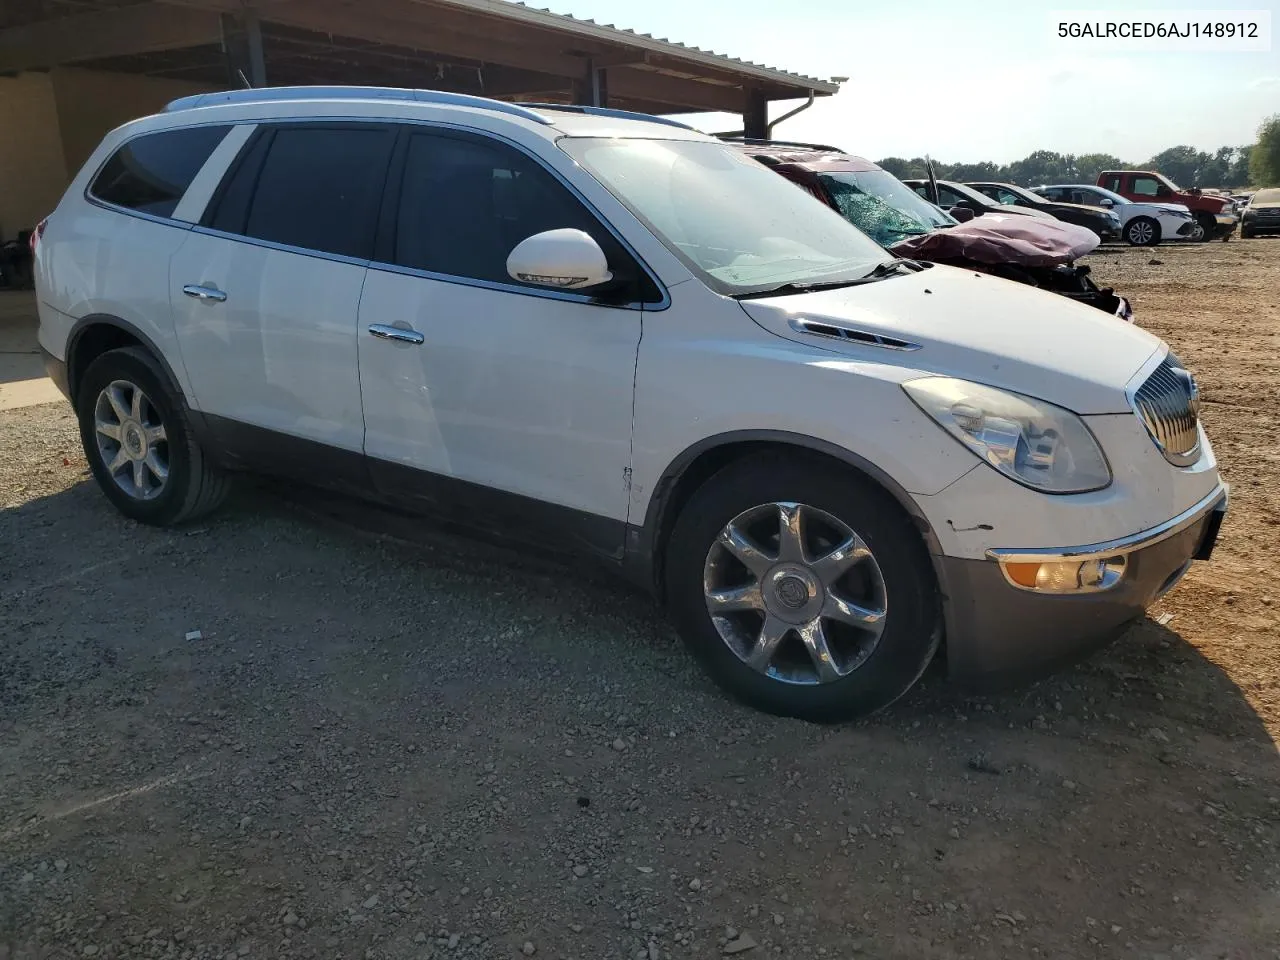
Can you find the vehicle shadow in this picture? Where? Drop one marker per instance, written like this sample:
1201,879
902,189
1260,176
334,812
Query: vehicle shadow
1129,806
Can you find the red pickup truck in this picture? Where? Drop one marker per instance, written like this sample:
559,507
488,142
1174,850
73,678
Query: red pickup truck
1216,217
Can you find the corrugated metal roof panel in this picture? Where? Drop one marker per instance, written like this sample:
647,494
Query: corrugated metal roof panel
540,16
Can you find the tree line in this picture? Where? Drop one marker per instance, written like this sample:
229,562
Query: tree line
1228,168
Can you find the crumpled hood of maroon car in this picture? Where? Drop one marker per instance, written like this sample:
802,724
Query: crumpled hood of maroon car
1025,241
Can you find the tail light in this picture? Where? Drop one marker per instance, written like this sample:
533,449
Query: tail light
36,234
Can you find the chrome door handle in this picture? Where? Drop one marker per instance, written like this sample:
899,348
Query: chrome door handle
385,331
201,292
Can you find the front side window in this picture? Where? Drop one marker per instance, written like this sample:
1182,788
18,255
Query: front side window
466,203
1007,197
731,220
882,206
312,187
151,173
1146,186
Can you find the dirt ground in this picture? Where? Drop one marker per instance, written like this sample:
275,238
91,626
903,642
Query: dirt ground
380,749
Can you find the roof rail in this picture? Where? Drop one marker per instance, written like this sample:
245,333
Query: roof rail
273,94
753,142
608,112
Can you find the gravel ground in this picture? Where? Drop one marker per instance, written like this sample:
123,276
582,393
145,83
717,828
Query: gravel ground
422,747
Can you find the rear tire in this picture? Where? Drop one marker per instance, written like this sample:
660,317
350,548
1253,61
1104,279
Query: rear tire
138,440
1142,232
879,614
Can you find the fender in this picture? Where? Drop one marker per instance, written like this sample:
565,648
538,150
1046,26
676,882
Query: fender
199,425
643,560
106,320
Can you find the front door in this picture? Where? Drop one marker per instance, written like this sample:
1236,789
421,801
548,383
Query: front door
493,400
266,293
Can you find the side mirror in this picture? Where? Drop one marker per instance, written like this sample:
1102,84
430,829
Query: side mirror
962,214
1106,202
564,259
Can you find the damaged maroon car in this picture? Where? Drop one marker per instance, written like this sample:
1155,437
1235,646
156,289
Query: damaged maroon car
1028,250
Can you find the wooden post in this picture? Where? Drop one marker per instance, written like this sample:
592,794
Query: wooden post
755,116
593,89
242,44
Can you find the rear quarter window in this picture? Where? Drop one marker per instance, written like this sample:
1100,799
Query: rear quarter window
150,173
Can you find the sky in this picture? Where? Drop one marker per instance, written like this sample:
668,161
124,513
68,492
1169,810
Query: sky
969,80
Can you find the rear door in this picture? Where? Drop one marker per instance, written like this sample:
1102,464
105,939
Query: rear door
266,292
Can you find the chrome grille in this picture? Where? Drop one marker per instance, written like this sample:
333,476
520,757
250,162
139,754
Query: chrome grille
1168,403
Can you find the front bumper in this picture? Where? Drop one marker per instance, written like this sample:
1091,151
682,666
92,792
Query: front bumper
999,634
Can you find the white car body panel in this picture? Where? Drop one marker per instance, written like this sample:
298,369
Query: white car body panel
526,394
1045,347
280,352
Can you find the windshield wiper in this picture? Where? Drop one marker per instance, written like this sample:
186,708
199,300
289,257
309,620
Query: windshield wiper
879,272
890,267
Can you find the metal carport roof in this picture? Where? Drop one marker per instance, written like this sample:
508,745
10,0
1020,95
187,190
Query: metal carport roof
489,47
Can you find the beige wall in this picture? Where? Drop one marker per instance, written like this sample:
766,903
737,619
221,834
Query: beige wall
51,122
91,103
33,170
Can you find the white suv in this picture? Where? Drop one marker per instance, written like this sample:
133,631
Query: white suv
612,334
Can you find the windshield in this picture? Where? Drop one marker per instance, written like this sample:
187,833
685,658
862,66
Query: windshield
882,206
1101,192
1167,182
1266,196
734,222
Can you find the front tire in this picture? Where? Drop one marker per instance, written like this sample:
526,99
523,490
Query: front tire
1142,232
1208,227
138,440
803,589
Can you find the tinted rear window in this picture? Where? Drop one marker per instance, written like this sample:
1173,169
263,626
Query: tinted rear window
320,187
152,172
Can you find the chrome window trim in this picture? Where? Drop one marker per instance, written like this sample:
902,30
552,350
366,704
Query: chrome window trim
1216,500
513,287
137,214
662,304
281,247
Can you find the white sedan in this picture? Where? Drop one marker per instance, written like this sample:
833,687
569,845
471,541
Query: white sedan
1141,224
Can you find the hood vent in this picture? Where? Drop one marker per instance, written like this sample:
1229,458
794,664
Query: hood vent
836,331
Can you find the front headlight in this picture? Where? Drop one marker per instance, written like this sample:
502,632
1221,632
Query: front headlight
1039,445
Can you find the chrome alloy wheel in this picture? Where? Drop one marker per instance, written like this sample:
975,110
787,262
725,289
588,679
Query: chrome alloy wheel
1141,233
795,593
131,440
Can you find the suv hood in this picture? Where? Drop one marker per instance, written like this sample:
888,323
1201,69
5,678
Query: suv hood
977,327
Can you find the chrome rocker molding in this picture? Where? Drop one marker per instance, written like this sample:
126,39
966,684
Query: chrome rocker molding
1216,500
